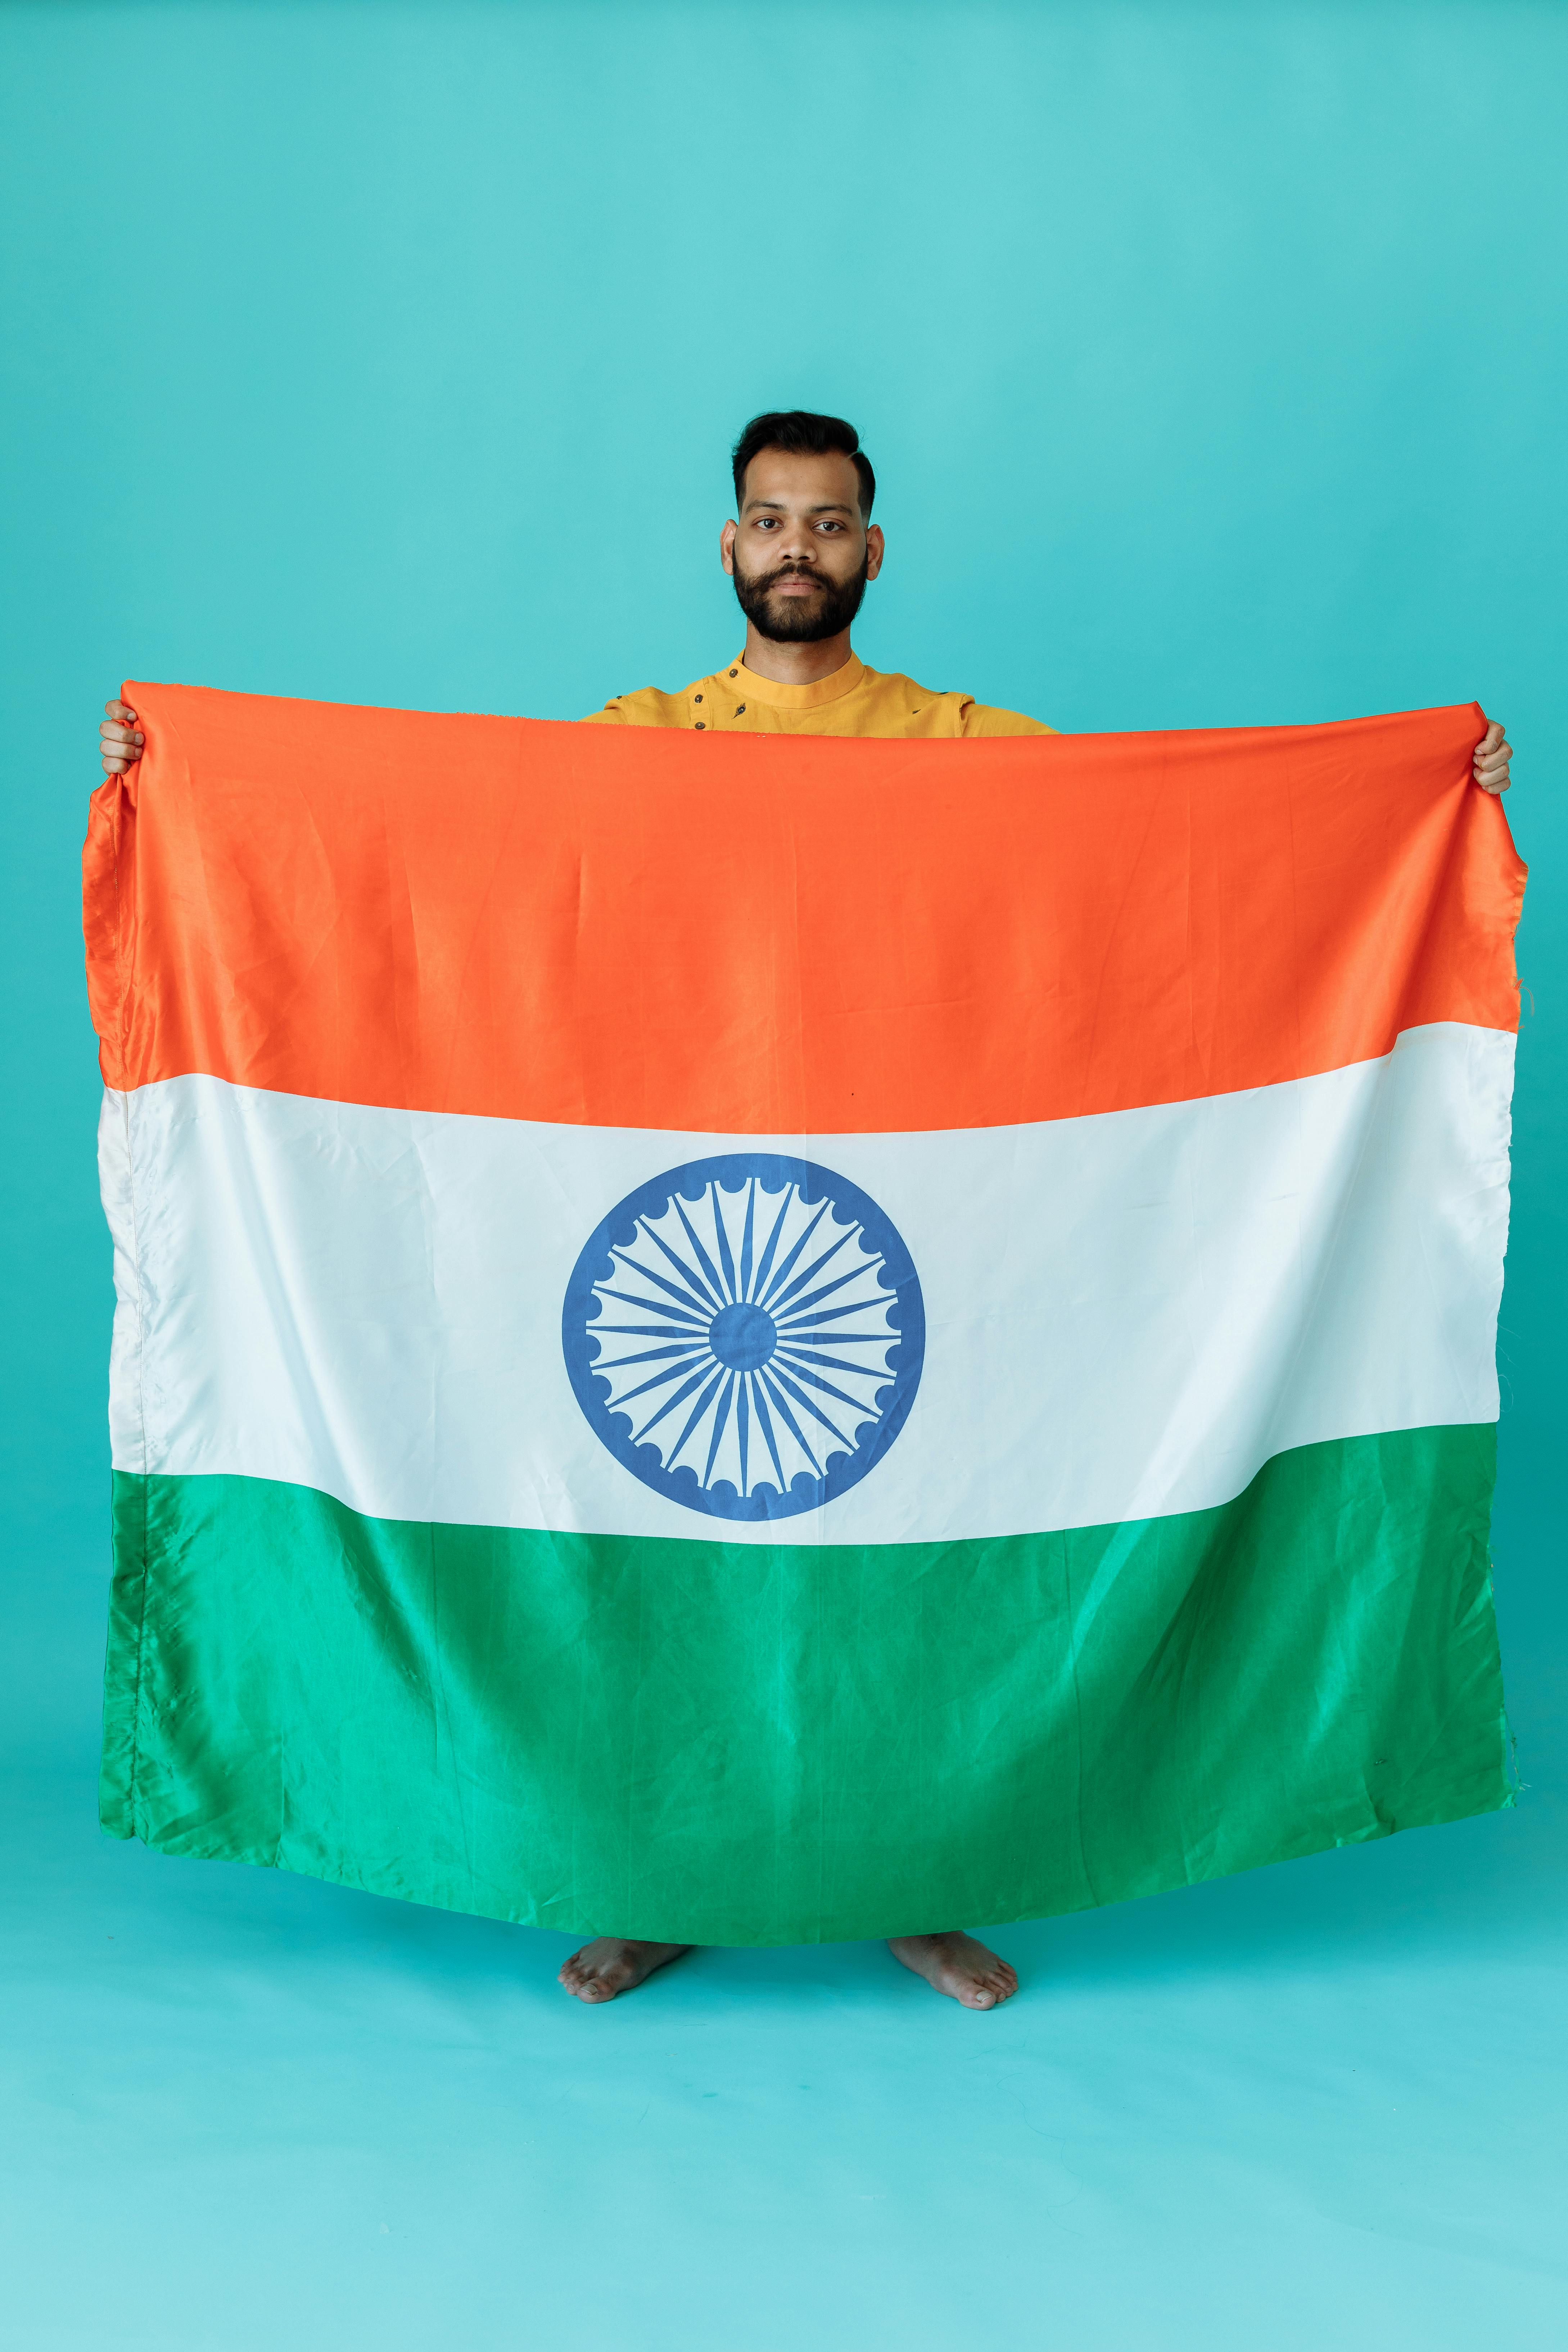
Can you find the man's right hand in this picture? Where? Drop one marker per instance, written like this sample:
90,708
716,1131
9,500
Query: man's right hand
121,738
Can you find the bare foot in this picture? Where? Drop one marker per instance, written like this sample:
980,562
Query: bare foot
954,1963
613,1964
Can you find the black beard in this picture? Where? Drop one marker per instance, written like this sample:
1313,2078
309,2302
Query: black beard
795,622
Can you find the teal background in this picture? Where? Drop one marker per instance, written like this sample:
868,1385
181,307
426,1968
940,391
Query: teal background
1211,359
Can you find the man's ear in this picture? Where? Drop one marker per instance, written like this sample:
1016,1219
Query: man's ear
727,548
875,544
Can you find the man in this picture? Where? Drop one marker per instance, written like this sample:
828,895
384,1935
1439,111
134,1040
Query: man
800,554
801,550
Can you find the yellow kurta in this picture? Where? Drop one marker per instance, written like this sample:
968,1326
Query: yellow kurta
854,701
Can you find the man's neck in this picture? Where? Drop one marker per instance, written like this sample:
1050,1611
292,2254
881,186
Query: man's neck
794,664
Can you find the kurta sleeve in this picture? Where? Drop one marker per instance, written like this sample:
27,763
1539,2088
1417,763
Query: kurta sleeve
984,718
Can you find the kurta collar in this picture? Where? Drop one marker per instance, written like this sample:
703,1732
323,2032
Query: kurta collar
831,688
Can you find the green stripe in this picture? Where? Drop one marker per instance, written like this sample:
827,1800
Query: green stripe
738,1744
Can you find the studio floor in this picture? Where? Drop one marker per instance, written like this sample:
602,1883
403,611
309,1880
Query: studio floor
1316,2106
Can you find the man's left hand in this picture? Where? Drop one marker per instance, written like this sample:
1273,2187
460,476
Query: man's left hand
1493,756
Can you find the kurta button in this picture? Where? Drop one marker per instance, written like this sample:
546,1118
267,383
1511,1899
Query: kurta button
696,698
731,673
700,724
740,709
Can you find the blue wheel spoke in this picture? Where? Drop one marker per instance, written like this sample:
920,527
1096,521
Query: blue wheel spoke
743,1422
769,1383
800,1373
714,1279
721,1422
649,1354
837,1339
755,1380
698,1409
782,1273
801,1356
726,1258
669,1330
661,1380
746,1239
761,1281
777,1372
694,1279
782,1299
827,1288
698,1377
656,1307
687,1296
849,1307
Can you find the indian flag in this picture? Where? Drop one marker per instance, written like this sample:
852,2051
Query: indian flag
743,1339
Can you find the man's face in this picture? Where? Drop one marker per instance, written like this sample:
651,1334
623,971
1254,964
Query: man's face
800,555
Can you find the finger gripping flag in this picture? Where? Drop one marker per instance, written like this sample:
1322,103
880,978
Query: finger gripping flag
747,1339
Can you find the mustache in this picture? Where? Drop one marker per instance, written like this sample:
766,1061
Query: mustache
762,582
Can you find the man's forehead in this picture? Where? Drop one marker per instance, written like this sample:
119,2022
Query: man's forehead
804,482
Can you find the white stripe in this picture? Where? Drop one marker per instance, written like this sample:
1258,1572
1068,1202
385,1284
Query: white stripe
1126,1314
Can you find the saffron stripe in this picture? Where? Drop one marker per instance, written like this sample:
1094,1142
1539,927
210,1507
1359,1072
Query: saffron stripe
751,935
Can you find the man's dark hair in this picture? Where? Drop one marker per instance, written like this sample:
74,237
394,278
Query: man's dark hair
802,435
